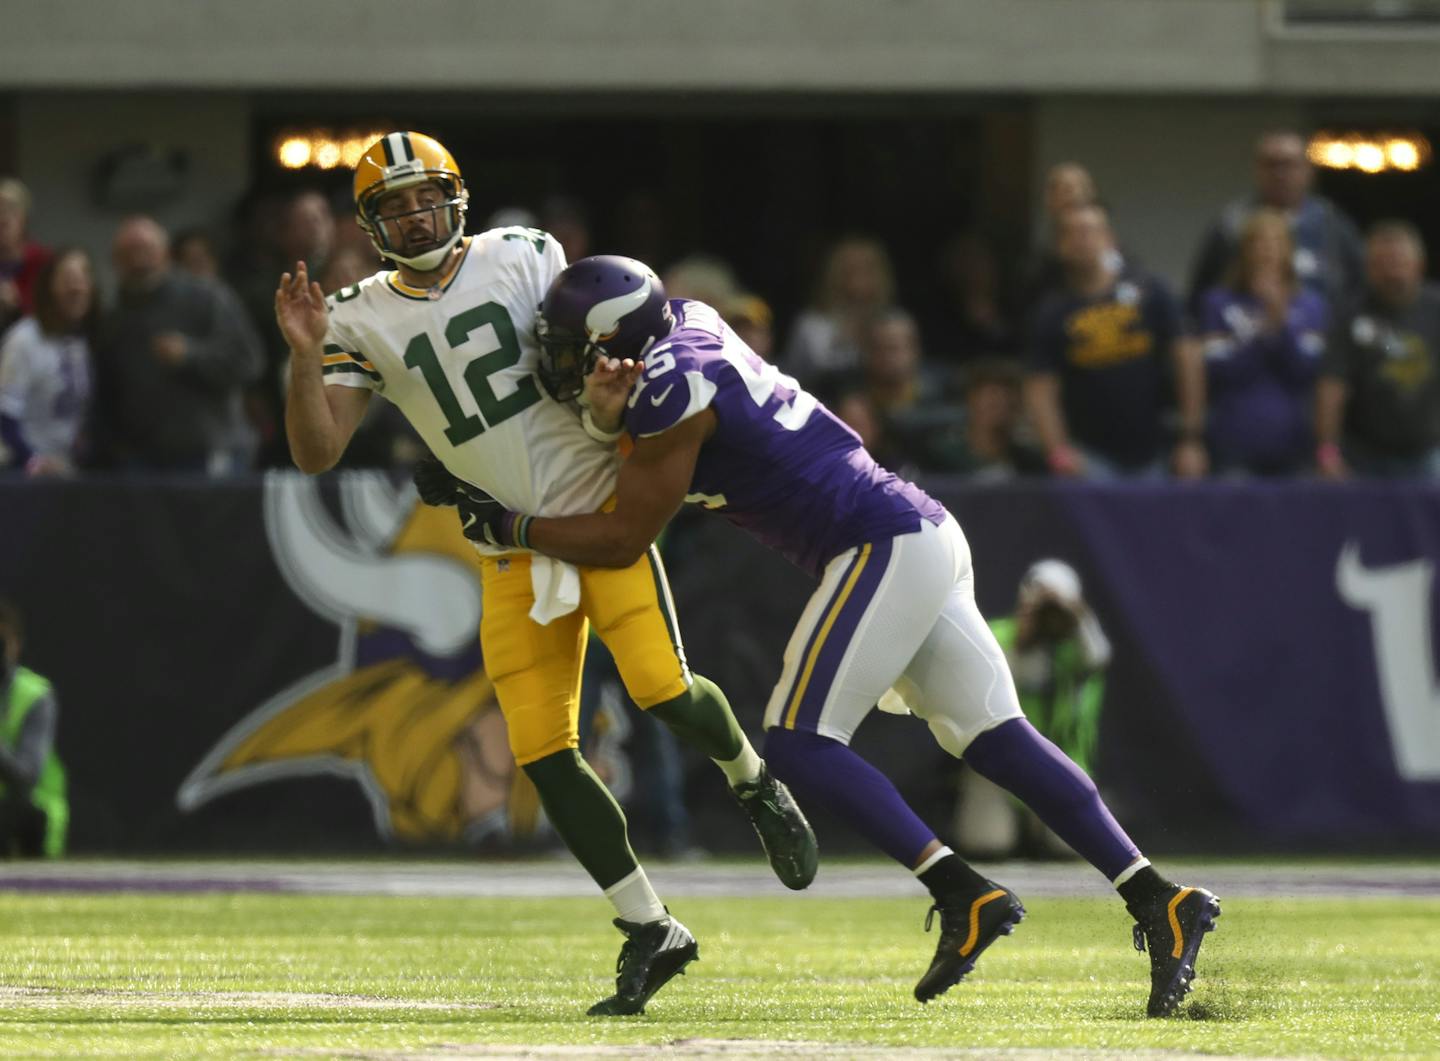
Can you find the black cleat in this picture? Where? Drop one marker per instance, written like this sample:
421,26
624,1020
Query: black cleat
651,954
1172,929
967,927
784,833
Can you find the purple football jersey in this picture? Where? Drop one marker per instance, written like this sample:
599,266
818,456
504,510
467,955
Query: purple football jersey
780,465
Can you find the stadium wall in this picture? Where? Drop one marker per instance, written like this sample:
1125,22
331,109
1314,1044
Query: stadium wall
1032,46
1164,164
91,158
556,45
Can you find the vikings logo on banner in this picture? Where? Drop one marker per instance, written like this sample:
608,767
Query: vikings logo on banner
1397,599
405,710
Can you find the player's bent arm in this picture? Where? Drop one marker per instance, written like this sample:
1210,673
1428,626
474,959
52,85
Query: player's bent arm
319,420
653,483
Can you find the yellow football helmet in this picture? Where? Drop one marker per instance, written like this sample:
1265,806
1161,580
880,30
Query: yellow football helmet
399,160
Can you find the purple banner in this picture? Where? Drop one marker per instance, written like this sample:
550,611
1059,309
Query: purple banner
1291,629
282,665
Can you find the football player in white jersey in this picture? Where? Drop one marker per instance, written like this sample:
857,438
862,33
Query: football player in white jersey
448,336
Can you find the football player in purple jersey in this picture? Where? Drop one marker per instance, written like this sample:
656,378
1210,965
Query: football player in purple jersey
893,621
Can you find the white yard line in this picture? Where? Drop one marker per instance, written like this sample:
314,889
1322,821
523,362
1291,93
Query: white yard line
51,998
758,1050
562,878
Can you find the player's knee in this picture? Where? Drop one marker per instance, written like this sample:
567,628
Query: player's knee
1013,754
556,767
537,747
654,684
948,734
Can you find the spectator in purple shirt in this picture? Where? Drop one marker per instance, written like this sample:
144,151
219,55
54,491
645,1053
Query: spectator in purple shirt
1329,255
1262,335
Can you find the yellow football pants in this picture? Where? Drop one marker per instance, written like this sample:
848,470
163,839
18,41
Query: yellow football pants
536,669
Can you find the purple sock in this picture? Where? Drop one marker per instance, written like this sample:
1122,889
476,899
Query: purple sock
1017,758
828,774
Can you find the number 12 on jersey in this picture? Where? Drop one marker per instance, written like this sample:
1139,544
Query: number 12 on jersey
461,426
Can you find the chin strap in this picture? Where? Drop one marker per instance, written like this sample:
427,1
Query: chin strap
427,261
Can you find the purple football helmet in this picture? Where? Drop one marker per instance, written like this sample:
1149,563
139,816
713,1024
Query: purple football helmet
605,304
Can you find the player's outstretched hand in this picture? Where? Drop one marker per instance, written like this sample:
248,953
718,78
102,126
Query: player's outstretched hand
300,310
607,389
434,483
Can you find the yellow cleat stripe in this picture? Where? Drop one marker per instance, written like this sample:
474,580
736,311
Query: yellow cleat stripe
1175,922
973,938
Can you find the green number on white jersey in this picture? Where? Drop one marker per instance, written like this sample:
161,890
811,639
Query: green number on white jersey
461,427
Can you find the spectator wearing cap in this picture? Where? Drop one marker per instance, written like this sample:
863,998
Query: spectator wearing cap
1378,400
172,358
1103,349
750,317
1058,654
21,258
702,277
1329,255
1262,336
46,370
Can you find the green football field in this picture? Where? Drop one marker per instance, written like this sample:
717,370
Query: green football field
259,975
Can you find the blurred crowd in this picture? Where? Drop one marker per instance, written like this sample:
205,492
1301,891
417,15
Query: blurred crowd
1298,347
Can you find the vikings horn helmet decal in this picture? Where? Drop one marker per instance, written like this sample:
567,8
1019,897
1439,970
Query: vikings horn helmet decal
603,321
401,160
605,304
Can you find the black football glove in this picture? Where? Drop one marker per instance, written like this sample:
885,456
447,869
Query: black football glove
485,520
434,483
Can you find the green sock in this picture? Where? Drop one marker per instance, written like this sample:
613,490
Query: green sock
701,717
585,814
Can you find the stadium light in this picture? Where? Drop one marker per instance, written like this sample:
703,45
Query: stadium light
322,148
1369,157
294,152
1403,152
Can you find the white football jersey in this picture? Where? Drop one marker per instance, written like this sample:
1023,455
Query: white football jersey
459,361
